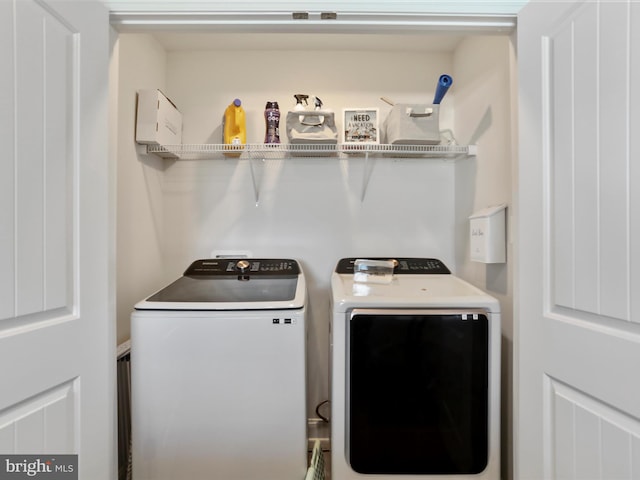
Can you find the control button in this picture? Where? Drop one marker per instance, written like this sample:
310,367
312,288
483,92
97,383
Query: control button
242,266
276,321
287,321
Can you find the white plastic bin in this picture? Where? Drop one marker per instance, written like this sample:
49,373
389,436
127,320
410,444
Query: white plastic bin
413,124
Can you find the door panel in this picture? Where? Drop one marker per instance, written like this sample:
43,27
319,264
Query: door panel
59,70
589,204
634,153
57,344
31,21
585,205
43,423
7,187
578,334
592,439
613,140
43,166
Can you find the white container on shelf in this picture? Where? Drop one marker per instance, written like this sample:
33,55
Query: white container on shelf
413,124
158,121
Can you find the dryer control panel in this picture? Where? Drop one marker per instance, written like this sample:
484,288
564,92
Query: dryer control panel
403,266
243,266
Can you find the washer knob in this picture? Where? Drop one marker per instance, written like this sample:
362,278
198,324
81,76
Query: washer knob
242,266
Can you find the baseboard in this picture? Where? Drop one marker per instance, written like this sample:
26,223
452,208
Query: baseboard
318,429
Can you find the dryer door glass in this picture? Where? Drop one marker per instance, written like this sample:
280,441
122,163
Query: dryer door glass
418,392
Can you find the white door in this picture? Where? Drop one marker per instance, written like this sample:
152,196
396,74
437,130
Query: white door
57,338
578,282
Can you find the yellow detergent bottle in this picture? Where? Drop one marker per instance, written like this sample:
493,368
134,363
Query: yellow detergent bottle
235,131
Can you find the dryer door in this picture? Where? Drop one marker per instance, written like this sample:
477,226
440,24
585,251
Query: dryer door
418,391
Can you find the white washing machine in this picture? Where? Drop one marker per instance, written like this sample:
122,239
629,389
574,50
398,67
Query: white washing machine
218,374
415,376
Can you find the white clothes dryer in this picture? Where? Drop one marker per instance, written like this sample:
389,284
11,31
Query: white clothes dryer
218,374
415,376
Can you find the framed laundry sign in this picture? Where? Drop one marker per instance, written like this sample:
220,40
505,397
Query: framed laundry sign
360,125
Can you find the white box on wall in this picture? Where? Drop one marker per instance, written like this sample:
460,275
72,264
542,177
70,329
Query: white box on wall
488,235
158,121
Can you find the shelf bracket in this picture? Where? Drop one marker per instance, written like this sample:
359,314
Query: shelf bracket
255,181
366,174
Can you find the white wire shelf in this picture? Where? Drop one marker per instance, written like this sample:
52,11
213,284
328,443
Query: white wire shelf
279,151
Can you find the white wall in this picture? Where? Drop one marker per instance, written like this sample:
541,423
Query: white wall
172,212
310,209
484,116
140,63
203,83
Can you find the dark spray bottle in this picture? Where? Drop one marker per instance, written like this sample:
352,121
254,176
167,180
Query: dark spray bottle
272,121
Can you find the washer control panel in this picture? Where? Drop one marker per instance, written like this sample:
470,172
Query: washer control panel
403,266
243,266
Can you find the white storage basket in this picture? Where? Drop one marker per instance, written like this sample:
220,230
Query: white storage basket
413,124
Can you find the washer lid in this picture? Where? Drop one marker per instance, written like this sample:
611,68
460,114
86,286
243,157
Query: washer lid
233,284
